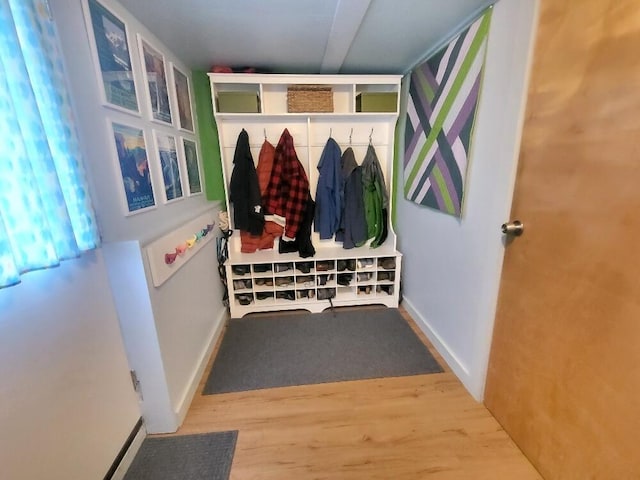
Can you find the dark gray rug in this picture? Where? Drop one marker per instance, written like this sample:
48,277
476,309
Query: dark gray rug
301,349
188,457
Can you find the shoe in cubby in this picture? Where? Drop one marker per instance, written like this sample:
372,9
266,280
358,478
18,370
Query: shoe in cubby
388,263
386,276
284,281
304,267
365,263
262,296
324,279
244,298
326,293
388,289
264,282
240,270
365,277
305,281
242,284
325,265
282,267
262,268
286,295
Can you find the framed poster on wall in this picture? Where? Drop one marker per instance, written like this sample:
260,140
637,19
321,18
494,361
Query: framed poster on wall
130,148
168,154
155,76
111,55
183,99
192,166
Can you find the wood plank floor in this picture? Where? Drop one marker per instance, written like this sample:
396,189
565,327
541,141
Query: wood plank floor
416,427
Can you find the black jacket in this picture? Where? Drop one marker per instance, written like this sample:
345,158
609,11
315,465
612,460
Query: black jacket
244,190
302,243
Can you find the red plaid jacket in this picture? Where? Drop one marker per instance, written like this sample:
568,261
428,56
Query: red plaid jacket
288,187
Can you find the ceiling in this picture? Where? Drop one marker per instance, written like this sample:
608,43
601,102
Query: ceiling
305,36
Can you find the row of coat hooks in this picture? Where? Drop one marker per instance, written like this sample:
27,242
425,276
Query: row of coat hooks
330,135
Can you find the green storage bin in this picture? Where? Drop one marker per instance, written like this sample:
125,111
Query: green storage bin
238,102
377,102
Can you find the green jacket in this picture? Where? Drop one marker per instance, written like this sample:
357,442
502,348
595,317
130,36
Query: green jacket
376,198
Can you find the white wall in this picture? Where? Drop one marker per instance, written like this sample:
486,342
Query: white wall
189,316
66,400
452,267
169,337
96,138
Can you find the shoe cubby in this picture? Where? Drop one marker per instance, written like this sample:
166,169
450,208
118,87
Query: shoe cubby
309,284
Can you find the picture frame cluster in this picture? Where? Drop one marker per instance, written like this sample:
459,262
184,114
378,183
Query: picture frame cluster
156,136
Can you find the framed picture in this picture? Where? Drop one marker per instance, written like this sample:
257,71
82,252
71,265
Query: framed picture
193,168
155,76
183,97
131,150
168,154
112,59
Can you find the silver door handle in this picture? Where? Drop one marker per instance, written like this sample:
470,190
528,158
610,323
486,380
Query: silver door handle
514,228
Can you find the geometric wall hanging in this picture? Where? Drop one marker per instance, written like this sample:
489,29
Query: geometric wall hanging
443,96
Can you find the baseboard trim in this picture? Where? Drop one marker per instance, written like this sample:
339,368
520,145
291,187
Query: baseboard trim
194,381
460,370
127,453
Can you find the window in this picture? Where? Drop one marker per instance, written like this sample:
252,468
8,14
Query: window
45,209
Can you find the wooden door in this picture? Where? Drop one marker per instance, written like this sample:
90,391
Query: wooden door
564,371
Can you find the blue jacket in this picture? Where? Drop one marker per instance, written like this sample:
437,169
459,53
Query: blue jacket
329,191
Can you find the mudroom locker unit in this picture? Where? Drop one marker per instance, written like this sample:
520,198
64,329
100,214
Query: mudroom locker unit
357,111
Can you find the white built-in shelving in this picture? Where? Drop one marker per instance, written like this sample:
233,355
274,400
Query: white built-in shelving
310,132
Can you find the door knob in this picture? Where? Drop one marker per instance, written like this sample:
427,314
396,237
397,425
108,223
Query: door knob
514,228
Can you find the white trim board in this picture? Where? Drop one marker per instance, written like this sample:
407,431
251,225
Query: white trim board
194,381
130,454
460,370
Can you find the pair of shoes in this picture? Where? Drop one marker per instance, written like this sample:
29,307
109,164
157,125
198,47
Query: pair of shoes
388,289
323,279
244,299
365,262
364,277
286,295
262,268
241,284
323,266
304,267
306,281
366,290
284,281
347,265
283,267
386,276
264,295
240,269
326,293
265,281
344,279
388,263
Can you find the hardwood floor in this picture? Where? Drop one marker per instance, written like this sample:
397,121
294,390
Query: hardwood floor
416,427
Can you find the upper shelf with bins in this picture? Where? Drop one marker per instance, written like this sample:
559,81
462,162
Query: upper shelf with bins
271,92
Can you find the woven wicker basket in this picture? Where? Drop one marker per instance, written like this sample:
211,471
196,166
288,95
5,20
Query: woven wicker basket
309,98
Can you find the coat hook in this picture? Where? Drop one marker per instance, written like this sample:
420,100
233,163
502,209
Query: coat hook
370,137
265,134
350,134
330,130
